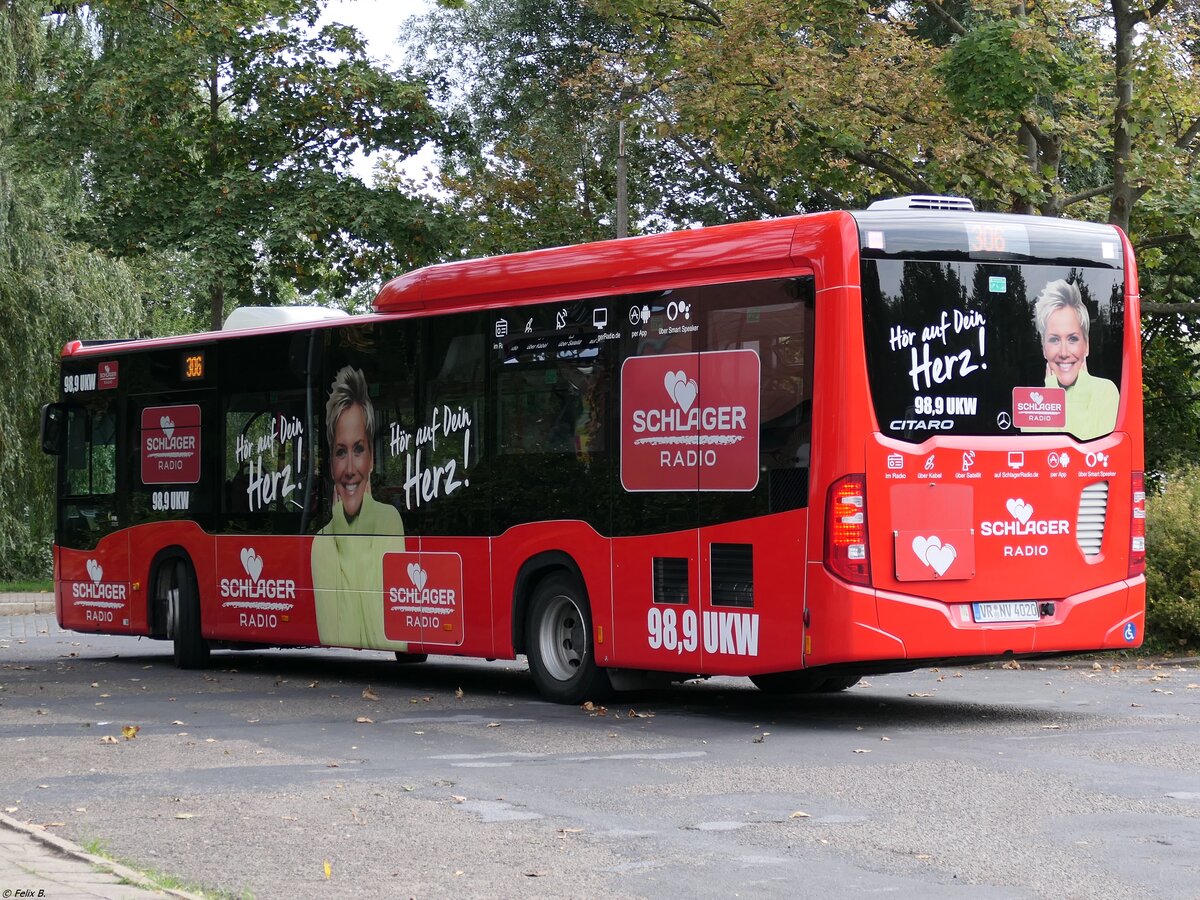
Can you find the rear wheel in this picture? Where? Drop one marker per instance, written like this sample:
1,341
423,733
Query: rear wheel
177,584
803,682
558,642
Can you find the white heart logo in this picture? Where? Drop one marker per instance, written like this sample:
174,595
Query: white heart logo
1021,511
685,394
1036,397
921,546
168,425
95,570
252,563
417,575
941,558
672,380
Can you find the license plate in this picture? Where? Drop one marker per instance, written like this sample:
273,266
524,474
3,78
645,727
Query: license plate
1008,611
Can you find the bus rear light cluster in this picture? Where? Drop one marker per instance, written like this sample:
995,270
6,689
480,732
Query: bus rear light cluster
1137,527
846,550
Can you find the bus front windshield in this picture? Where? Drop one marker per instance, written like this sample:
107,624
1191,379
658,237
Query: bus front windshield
969,348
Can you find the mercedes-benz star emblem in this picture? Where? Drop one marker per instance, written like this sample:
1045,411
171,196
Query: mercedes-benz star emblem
1004,420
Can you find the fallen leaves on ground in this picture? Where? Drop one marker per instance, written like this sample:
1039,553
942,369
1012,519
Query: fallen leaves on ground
363,720
129,732
594,709
799,814
108,739
369,694
634,714
458,693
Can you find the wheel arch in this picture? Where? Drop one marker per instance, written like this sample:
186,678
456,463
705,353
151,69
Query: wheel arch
532,572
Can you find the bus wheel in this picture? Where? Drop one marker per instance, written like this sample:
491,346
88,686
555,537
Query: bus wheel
558,643
803,682
183,614
407,659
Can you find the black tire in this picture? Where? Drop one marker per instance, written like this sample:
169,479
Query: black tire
803,682
408,659
191,649
558,642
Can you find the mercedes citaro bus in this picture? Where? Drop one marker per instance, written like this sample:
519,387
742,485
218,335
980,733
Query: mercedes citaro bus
798,450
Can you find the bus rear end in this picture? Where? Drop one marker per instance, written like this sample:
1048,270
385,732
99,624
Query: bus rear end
986,494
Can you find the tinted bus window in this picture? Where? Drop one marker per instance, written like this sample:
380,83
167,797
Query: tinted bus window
957,348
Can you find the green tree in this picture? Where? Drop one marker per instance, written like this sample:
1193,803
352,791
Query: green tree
536,93
225,132
51,288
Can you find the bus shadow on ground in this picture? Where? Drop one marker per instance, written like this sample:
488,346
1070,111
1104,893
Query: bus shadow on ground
868,704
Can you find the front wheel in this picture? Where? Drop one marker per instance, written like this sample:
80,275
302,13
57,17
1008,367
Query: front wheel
177,583
558,643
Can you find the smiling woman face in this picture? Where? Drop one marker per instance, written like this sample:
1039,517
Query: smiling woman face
352,460
1065,345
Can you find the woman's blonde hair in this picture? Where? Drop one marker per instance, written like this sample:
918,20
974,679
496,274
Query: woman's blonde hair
1060,294
349,388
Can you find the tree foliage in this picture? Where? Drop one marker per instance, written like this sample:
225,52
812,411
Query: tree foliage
50,287
225,131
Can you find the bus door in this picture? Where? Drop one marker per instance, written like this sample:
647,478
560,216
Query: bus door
656,545
92,572
755,428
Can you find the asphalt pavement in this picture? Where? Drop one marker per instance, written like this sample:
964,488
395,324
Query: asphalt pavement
33,861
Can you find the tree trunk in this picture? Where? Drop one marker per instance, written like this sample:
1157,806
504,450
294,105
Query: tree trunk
1122,193
216,300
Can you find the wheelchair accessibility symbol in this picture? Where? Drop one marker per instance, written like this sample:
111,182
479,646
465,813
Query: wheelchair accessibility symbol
1130,632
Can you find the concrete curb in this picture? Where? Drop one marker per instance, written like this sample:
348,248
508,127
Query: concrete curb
27,604
63,847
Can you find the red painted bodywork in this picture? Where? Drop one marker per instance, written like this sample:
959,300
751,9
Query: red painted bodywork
805,616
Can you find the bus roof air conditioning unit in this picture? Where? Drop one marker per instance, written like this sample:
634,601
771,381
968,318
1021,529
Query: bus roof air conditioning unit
925,201
271,316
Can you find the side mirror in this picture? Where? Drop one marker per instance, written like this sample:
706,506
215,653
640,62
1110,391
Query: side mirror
54,428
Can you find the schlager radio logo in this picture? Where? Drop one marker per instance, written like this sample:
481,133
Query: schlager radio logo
99,599
423,597
689,421
260,601
1039,407
171,444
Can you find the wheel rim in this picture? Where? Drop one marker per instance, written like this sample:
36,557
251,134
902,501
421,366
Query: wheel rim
562,639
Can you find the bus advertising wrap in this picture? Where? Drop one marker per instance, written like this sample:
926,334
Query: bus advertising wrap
690,420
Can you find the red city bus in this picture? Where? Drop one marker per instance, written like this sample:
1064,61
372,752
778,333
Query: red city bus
798,450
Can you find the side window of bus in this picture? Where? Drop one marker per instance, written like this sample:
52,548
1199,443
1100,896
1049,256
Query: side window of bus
775,320
554,400
387,356
91,458
266,456
450,434
89,508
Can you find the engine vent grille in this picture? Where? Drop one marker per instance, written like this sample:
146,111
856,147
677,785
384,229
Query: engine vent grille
670,579
732,574
1093,510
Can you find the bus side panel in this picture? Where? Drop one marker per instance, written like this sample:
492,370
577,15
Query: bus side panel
459,618
766,634
589,551
660,636
259,590
93,589
844,623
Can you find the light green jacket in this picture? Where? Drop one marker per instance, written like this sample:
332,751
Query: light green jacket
347,571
